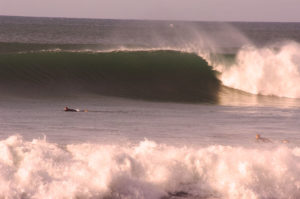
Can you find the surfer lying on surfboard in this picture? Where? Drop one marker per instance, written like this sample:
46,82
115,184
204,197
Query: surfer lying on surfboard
67,109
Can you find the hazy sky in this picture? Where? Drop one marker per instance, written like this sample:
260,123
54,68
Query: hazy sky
203,10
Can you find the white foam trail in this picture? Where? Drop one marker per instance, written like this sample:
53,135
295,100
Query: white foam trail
39,169
267,71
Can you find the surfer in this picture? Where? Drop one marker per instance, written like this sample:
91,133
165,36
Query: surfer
67,109
70,109
261,139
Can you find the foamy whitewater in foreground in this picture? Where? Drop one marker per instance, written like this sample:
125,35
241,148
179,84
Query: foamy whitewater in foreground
39,169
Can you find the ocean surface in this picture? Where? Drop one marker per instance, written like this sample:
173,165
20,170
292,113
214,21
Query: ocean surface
168,109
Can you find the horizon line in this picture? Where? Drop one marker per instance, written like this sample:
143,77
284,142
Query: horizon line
133,19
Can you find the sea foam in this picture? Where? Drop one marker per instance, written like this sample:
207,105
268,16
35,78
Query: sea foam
39,169
272,70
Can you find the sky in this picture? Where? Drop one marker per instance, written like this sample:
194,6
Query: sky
196,10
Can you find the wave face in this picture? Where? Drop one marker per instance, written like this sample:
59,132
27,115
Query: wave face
39,169
152,75
273,70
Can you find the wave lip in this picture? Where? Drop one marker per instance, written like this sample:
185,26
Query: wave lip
39,169
151,75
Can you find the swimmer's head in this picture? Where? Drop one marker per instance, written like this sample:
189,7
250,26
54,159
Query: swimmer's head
285,141
66,108
257,136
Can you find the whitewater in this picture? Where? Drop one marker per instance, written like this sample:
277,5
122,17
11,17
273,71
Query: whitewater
272,70
39,169
172,109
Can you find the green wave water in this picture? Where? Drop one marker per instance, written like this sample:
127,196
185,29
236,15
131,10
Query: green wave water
150,75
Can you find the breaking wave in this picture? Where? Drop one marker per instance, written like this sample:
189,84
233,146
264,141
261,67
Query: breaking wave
182,75
39,169
273,70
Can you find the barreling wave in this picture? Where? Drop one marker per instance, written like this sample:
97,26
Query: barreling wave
172,74
152,75
39,169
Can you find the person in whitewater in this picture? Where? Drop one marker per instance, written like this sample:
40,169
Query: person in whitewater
266,140
67,109
261,139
